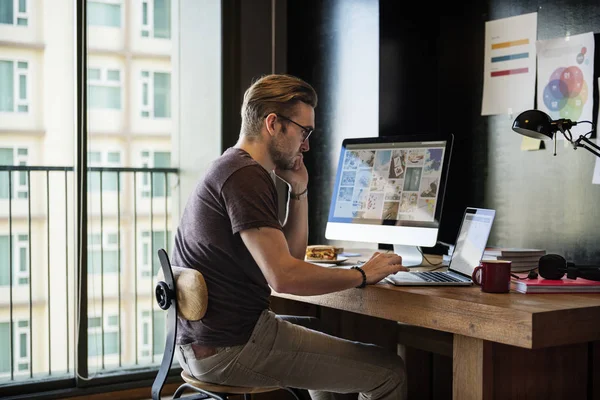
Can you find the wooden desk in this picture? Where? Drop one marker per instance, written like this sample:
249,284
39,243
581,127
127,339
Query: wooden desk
505,346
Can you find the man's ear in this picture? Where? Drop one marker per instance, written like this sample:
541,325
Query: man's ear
270,122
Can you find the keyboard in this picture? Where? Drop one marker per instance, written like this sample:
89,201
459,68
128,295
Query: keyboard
437,277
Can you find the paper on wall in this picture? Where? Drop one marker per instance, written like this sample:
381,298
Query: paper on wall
509,65
565,79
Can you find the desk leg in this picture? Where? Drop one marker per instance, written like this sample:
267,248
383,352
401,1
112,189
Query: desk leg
471,377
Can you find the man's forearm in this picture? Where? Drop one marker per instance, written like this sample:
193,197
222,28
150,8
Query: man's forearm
296,227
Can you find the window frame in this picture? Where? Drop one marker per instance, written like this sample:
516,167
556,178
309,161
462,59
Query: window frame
147,161
20,15
149,81
110,2
104,246
148,26
101,332
17,274
103,81
19,72
105,162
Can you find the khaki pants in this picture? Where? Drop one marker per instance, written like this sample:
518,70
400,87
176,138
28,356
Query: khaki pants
284,354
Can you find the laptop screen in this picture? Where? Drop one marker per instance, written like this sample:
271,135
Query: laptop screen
471,241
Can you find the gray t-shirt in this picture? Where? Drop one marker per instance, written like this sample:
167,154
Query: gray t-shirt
236,194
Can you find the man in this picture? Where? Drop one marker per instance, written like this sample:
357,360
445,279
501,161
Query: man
230,232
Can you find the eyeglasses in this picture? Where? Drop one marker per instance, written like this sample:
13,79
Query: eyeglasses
306,131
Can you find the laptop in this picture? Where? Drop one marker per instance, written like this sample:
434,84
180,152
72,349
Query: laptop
471,242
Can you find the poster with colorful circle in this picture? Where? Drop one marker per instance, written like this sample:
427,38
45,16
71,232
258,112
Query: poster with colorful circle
565,80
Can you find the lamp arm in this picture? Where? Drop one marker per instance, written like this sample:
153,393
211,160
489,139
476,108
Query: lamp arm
588,145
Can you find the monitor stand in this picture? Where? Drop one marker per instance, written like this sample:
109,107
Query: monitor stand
411,256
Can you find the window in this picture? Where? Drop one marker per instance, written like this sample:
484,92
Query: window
158,327
160,185
20,259
14,12
109,178
103,253
156,19
20,347
150,257
11,156
14,88
156,94
104,88
104,13
111,335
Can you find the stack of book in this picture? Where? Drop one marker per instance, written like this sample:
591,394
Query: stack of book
521,259
564,285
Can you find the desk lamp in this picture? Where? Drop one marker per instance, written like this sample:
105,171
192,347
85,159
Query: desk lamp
538,125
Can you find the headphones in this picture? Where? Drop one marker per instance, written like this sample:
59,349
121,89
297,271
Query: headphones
554,266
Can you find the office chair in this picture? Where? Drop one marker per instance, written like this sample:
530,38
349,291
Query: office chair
183,292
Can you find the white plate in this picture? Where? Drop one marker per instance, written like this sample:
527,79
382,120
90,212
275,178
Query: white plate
339,260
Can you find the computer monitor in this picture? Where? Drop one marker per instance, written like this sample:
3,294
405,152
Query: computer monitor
391,190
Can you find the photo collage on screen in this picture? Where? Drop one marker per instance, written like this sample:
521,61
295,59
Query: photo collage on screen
392,184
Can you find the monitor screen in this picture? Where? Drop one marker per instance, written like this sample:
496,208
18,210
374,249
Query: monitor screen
390,189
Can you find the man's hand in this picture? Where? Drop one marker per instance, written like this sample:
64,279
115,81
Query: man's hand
297,177
381,265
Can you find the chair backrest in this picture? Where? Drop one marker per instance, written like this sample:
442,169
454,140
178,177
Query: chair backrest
191,292
179,291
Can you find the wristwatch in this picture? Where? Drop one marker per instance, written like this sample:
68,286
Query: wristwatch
299,196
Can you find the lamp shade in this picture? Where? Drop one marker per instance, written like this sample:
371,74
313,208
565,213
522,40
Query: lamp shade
535,124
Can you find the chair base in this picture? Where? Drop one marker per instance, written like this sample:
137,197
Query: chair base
222,392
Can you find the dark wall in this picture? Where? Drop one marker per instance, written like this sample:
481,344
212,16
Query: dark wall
431,79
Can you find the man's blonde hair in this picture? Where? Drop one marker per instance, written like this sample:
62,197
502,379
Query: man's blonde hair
275,93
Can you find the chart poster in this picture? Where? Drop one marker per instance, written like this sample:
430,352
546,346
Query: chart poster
565,80
509,65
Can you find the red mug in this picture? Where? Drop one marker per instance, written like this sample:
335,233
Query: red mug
493,276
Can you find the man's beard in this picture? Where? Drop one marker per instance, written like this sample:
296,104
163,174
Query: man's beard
282,160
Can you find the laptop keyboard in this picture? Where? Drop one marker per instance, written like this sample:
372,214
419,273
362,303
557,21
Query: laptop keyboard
437,277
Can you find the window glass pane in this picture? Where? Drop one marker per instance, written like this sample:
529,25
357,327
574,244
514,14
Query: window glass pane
101,14
94,344
145,14
111,261
4,262
111,343
145,74
162,19
157,244
23,324
6,12
159,332
113,75
109,181
114,157
22,21
22,6
94,322
22,259
162,95
104,97
4,338
93,74
22,64
22,152
22,108
113,320
6,84
6,158
23,345
23,238
145,333
22,178
94,157
145,94
112,238
22,87
162,159
94,262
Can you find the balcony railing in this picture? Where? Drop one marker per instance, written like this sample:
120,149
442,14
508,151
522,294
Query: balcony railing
129,219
